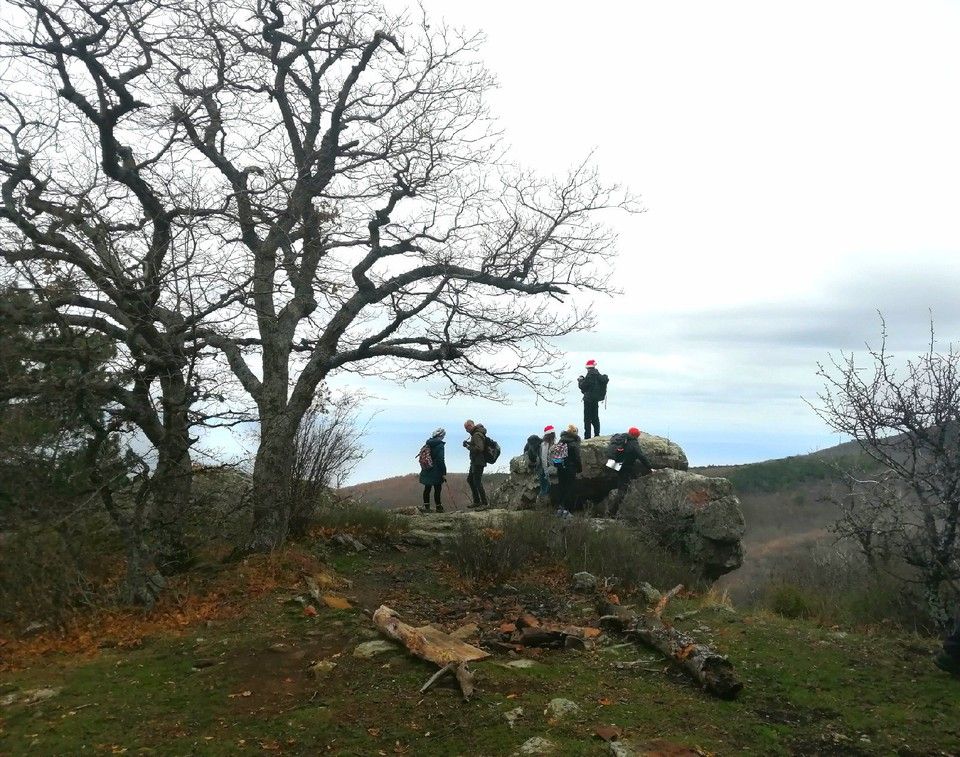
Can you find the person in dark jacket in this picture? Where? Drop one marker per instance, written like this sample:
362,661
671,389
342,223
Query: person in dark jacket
568,470
949,658
545,463
477,447
593,386
633,465
434,476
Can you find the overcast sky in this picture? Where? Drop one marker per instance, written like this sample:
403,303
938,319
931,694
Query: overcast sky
799,163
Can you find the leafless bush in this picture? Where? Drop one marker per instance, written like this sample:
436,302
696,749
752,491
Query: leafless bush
906,418
833,584
504,551
328,446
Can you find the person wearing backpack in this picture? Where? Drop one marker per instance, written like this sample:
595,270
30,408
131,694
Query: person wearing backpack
565,456
625,450
593,386
433,469
544,462
477,446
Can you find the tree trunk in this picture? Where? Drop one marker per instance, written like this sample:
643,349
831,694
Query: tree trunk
143,582
271,474
173,481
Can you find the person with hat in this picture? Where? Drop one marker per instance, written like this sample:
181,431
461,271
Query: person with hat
593,387
625,450
433,469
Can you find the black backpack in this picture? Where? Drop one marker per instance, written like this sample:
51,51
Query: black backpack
594,387
601,388
533,449
617,449
491,451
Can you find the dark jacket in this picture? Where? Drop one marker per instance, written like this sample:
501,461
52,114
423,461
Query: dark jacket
478,445
632,454
574,462
434,474
532,451
593,385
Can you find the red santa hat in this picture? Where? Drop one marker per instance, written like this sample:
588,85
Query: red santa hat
548,429
591,364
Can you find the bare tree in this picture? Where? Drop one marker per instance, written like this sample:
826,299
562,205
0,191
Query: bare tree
905,418
328,446
100,220
369,205
337,168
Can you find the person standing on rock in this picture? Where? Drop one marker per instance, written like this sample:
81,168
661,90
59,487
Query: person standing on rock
625,450
476,445
433,469
593,386
544,466
566,458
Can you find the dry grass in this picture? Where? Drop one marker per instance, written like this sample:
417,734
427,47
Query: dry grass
619,554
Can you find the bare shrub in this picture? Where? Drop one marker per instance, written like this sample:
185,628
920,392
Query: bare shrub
358,518
835,585
517,542
906,419
328,446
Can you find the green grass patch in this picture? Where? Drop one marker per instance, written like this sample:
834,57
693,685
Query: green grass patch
808,689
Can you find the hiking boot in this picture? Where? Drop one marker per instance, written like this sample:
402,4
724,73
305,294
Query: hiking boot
424,509
948,663
439,508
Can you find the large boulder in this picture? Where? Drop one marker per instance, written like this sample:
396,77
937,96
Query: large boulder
698,517
519,491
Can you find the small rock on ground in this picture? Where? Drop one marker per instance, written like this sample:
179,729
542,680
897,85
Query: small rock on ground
523,662
538,745
650,595
321,668
513,715
561,708
372,648
584,581
30,697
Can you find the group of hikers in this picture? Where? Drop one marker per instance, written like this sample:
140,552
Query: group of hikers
547,455
552,454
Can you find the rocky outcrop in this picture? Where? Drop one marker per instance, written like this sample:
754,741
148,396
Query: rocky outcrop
519,491
696,516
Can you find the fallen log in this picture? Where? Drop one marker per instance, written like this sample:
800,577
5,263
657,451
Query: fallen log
711,669
427,643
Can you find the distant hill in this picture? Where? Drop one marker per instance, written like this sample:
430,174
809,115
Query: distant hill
406,491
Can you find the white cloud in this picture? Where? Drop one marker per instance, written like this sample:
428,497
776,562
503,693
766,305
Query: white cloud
800,167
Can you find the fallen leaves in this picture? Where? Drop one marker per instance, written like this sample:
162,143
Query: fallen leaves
190,600
607,732
335,602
